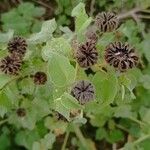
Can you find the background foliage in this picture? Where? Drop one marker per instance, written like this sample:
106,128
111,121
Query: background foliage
119,118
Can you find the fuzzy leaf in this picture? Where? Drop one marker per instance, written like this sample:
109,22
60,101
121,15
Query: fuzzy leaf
60,71
106,86
58,45
48,27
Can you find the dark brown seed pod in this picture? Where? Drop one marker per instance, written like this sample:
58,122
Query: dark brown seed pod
40,78
121,56
10,65
17,45
83,91
87,54
21,112
106,21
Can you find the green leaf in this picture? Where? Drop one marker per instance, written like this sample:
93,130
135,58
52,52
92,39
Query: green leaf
145,114
5,37
115,136
101,134
145,80
29,10
60,71
123,111
144,46
45,143
82,21
5,142
4,79
106,86
65,104
48,27
5,104
26,138
58,45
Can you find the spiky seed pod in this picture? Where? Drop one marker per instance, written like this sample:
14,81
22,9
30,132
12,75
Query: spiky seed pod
87,54
106,21
121,56
21,112
40,78
10,65
17,45
83,91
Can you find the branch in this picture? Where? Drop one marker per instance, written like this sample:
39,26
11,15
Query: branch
92,9
129,13
132,14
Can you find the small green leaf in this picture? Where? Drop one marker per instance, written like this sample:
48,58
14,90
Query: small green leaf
115,136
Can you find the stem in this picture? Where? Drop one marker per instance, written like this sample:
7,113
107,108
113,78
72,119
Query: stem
76,71
122,128
92,9
128,14
65,140
3,121
80,136
137,121
141,139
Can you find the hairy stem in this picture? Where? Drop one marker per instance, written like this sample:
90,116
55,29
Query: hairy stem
65,140
80,136
3,121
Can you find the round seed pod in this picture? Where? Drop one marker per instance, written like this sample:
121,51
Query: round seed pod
17,45
40,78
10,65
87,54
83,91
106,21
121,56
21,112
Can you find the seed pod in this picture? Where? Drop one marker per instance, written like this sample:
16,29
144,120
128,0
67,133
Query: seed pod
87,54
106,21
17,45
121,56
10,65
40,78
83,91
21,112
